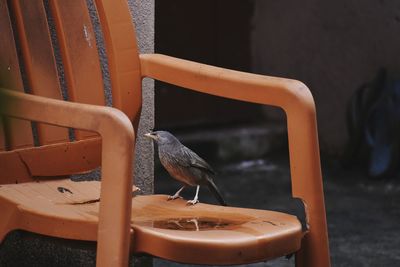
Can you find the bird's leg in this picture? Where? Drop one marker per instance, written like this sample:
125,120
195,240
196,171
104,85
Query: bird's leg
196,197
196,223
176,194
176,222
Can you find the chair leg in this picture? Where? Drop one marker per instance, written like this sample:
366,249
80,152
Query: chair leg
299,258
108,256
312,254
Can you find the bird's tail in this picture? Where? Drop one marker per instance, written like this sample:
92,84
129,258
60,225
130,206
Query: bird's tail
213,188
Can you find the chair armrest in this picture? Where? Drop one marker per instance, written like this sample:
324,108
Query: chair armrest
227,83
118,141
292,96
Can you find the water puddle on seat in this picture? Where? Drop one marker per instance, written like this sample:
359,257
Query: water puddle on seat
195,224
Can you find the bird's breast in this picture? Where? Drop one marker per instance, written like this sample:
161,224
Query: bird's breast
180,173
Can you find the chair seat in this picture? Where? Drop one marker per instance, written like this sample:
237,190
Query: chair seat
201,234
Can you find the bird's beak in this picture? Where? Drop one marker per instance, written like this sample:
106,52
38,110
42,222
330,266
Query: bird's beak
151,135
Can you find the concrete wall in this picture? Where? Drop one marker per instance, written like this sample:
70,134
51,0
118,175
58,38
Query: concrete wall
333,46
143,15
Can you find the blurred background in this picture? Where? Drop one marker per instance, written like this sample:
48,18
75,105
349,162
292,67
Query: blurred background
332,47
347,53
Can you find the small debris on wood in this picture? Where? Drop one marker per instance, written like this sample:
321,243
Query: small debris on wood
63,190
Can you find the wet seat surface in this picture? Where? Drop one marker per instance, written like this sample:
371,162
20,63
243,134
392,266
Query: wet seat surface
202,234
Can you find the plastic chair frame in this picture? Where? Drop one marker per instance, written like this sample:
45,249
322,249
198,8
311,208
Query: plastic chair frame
117,149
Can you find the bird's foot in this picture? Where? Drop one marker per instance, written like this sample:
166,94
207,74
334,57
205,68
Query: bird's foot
193,202
176,223
173,197
195,222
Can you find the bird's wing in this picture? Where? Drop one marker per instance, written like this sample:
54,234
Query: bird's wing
195,161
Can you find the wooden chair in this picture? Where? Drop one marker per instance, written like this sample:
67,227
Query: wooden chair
35,195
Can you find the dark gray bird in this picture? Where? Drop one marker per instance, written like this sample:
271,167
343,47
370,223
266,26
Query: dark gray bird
184,165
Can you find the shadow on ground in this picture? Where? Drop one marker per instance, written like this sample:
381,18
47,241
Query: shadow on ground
363,214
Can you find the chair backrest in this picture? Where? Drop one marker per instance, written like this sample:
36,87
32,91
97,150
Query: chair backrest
34,34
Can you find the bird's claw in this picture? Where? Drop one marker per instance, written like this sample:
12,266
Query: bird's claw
192,202
173,197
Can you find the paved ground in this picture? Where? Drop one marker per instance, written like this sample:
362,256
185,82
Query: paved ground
363,214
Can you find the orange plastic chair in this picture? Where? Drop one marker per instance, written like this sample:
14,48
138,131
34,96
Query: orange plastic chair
35,195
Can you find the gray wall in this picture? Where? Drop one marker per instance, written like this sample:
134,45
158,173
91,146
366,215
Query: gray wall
333,46
143,17
143,14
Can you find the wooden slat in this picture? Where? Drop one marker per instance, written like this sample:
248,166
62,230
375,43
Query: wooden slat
50,160
79,52
19,131
122,52
63,159
39,60
41,207
13,169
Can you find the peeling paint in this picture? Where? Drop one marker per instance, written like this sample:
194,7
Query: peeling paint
86,33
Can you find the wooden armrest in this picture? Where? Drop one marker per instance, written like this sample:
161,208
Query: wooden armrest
291,95
118,139
227,83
